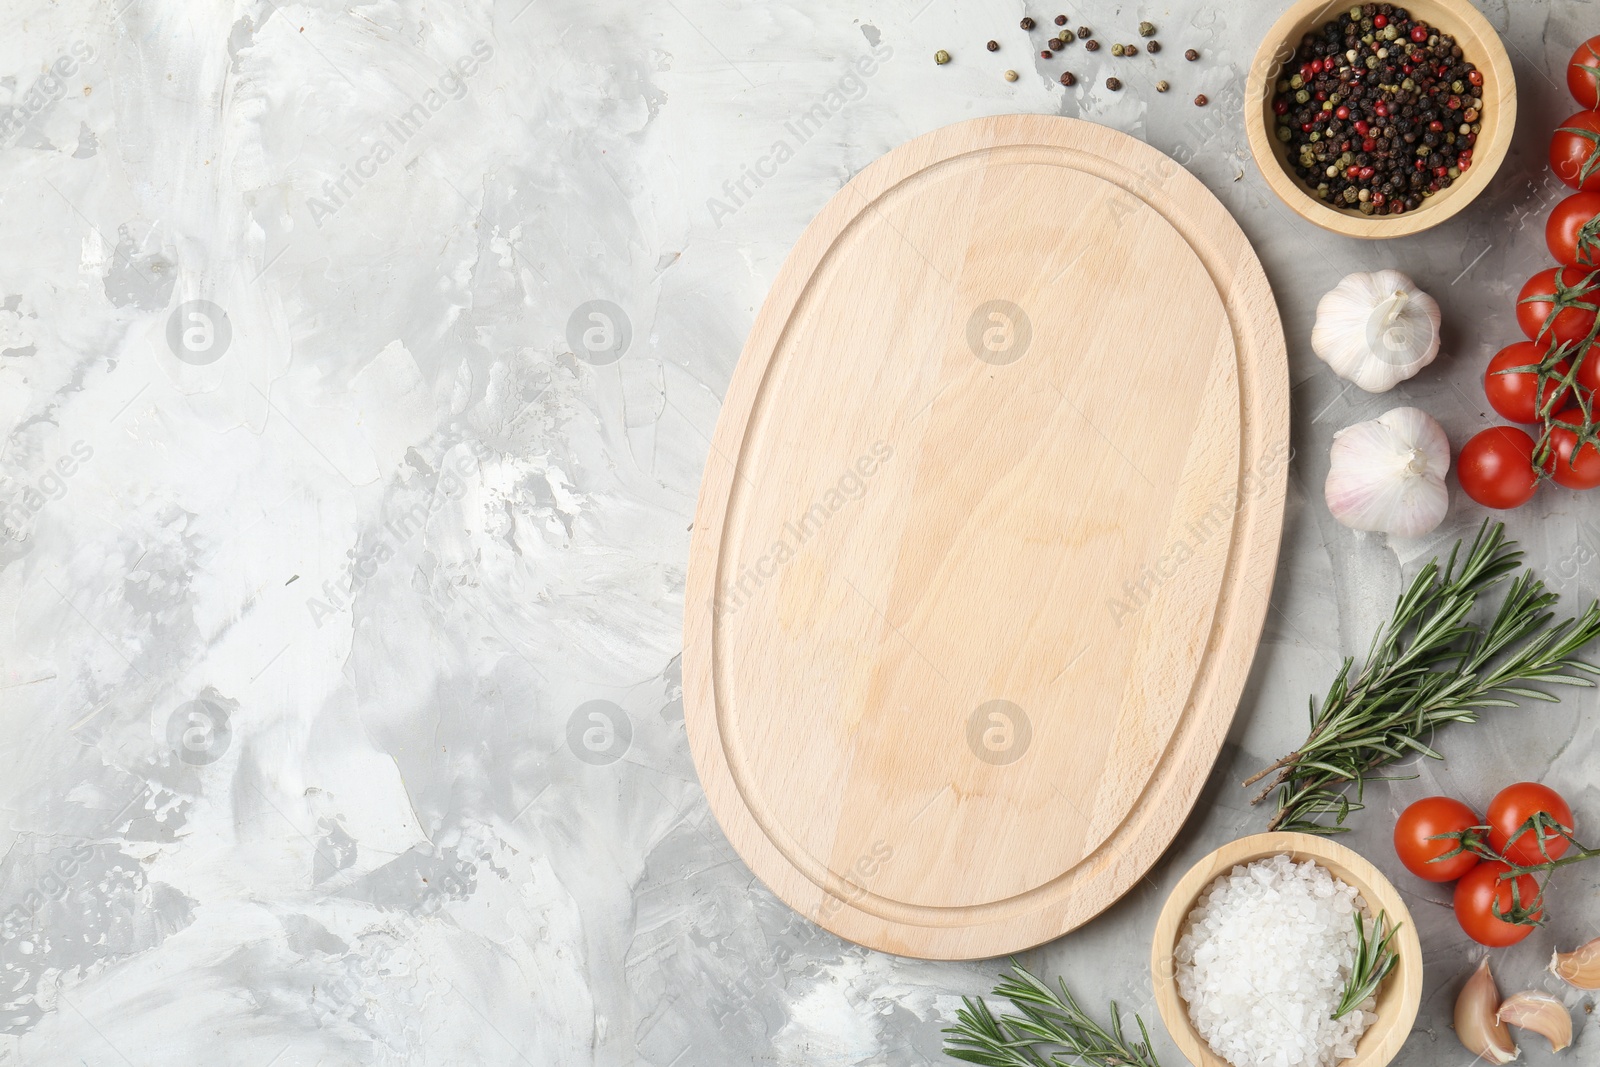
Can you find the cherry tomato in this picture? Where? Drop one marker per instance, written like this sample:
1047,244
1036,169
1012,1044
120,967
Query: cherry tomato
1583,73
1547,307
1515,805
1589,370
1425,819
1480,891
1575,151
1513,393
1575,472
1573,230
1495,468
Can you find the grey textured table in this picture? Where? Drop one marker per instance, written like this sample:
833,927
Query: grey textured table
341,717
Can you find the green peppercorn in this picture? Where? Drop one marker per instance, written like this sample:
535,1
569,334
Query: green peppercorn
1147,29
1302,97
1116,50
941,57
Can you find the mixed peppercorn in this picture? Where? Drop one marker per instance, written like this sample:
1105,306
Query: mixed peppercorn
1065,35
1379,111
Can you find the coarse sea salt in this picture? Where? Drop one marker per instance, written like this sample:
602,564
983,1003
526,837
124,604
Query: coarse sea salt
1263,960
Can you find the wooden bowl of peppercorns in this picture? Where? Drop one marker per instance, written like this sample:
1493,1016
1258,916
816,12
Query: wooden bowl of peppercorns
1380,120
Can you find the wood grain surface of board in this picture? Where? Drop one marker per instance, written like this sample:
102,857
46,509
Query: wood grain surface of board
985,537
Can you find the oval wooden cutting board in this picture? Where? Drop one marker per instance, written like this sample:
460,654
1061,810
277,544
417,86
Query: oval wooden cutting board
985,537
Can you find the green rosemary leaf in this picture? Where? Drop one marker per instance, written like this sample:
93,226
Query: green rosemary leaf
1050,1029
1431,665
1374,960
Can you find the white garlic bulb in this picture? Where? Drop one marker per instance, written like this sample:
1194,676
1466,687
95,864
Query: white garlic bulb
1388,474
1377,329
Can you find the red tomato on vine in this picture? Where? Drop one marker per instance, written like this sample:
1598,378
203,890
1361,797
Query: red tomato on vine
1583,74
1575,151
1414,834
1481,893
1573,230
1558,305
1495,468
1510,811
1515,394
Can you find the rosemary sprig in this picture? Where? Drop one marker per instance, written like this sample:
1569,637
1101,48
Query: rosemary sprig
1428,666
1374,960
1047,1018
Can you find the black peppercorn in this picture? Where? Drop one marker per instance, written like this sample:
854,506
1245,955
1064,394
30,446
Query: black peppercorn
1191,55
1113,84
1056,43
1083,33
1092,45
1153,47
1061,20
993,46
1027,24
1068,78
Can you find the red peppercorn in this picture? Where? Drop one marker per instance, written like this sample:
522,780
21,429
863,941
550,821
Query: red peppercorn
1419,33
1436,126
1476,77
1454,103
1369,145
1342,112
1398,207
1363,127
1380,21
1352,173
1367,172
1378,199
1440,172
1305,127
1045,54
1280,107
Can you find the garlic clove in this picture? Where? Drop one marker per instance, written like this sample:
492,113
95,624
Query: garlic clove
1541,1013
1387,475
1476,1026
1580,967
1377,329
